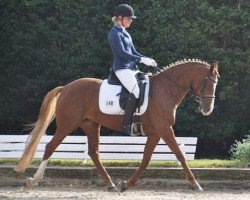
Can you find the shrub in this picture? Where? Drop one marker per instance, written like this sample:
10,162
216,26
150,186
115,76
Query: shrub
241,150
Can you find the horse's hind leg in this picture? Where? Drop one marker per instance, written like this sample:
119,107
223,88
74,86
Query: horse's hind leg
169,138
49,149
92,130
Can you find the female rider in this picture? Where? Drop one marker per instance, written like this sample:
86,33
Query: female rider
125,59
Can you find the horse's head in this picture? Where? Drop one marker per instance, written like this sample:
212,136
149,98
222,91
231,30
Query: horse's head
205,93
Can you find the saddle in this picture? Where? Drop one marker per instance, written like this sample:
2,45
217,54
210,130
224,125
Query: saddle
124,94
113,96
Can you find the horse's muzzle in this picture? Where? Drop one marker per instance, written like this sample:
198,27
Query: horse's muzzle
204,110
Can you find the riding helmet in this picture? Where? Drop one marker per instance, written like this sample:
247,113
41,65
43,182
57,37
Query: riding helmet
124,10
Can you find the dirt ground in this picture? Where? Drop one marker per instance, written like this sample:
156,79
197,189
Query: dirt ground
146,189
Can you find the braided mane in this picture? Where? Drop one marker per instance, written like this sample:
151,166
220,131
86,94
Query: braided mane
184,61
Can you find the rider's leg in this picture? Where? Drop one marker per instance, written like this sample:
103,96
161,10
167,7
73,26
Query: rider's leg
127,78
129,112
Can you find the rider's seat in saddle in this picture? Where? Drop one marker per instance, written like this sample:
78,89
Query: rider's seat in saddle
124,94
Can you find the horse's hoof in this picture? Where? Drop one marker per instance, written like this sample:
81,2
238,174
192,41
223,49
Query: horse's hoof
29,183
197,187
112,189
122,186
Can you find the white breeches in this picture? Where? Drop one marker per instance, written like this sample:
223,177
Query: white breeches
128,80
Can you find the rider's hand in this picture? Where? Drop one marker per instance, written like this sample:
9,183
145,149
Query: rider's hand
148,61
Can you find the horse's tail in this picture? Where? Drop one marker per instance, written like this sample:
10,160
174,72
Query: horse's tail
46,116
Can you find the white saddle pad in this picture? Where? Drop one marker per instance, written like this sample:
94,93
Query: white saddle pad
109,100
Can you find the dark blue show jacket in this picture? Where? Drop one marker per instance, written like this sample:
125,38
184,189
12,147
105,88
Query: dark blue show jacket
124,52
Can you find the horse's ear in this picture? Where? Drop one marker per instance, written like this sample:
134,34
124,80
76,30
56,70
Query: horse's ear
215,68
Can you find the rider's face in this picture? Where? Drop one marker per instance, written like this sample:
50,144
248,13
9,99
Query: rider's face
126,21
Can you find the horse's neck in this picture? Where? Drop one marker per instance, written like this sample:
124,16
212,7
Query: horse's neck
185,74
178,80
178,76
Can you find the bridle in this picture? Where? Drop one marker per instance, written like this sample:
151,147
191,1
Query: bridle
199,95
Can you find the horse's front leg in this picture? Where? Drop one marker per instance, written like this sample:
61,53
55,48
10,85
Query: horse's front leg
148,151
169,137
92,131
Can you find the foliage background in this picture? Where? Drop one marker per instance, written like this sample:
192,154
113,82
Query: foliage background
46,43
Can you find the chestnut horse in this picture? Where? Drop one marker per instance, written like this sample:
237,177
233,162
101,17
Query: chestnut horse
76,105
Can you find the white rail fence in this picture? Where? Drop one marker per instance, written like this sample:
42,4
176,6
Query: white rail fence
111,147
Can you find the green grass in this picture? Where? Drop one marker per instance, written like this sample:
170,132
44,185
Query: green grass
198,163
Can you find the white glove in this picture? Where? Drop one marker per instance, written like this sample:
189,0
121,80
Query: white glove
148,61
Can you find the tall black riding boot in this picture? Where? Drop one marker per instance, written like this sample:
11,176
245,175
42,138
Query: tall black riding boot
129,111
